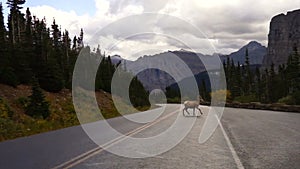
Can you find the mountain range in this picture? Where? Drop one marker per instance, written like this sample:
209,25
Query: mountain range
153,78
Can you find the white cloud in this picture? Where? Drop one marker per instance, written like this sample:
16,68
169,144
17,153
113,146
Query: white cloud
66,19
102,7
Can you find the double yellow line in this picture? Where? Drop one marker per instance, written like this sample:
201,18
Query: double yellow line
79,159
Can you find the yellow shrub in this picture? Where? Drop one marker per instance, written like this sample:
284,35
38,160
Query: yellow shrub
220,95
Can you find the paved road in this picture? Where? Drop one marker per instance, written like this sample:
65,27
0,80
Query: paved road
247,139
264,139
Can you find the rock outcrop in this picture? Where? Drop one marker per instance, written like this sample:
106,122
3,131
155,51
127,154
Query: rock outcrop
283,36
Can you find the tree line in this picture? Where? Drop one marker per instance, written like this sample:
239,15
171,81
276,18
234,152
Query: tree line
34,54
253,83
29,48
248,83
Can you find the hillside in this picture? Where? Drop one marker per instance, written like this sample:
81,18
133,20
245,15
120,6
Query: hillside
15,123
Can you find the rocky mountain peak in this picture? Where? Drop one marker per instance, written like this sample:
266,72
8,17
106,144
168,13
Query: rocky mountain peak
256,53
283,36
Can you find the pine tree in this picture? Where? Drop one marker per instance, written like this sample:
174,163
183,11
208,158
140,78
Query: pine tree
203,91
38,107
66,44
7,73
248,74
282,82
15,20
266,80
234,86
51,78
4,62
80,40
272,84
238,83
74,43
27,43
293,68
258,84
293,75
56,44
17,28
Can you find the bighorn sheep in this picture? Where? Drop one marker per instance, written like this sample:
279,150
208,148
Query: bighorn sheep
192,105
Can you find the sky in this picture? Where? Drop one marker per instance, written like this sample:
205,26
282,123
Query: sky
126,28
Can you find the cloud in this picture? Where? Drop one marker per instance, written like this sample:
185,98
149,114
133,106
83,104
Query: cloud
228,25
70,20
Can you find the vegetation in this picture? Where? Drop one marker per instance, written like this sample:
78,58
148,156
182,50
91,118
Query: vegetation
269,86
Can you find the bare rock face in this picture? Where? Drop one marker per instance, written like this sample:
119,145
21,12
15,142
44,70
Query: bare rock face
283,36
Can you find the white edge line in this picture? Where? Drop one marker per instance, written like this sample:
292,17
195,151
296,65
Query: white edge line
233,152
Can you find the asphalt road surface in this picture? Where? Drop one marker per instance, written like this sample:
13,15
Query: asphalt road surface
244,139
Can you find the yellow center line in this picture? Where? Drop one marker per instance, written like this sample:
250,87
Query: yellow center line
79,159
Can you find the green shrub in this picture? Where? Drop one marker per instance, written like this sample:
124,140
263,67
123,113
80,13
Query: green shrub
9,129
173,100
287,100
246,99
5,111
23,101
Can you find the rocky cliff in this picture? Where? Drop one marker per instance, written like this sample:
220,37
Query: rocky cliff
283,36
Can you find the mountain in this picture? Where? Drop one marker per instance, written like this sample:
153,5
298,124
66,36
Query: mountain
173,65
256,53
284,35
174,68
186,82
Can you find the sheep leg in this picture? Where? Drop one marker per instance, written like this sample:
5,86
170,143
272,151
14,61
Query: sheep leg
194,111
185,110
199,110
